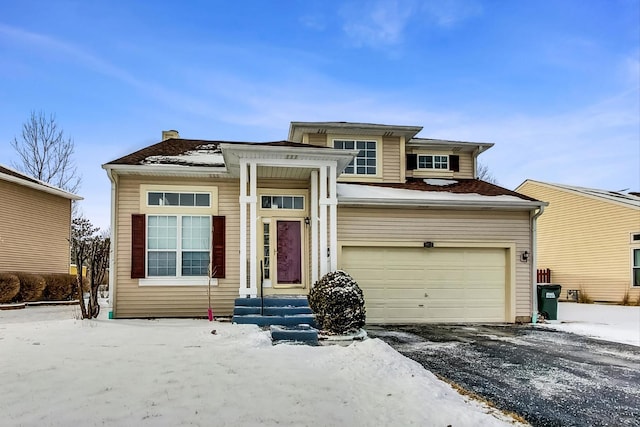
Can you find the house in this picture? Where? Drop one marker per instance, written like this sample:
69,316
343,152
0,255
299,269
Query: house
35,224
590,239
405,216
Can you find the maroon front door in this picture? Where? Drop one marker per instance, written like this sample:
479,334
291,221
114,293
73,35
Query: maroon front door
289,253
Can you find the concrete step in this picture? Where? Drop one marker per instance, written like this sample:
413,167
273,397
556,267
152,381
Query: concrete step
274,301
300,333
293,320
272,311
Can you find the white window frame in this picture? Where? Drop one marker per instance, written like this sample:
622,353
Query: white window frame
178,279
378,154
433,162
194,193
634,267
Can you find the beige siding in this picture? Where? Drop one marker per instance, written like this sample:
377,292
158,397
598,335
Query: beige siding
418,225
318,139
34,230
391,159
174,301
585,242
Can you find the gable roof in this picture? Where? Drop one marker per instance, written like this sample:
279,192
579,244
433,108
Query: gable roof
12,175
435,192
297,129
629,199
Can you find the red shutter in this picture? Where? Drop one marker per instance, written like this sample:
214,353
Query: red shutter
217,244
454,163
138,237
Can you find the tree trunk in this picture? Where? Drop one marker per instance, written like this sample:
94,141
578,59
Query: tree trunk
80,292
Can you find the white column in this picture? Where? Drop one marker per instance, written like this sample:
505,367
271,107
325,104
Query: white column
324,267
253,219
333,218
314,226
243,228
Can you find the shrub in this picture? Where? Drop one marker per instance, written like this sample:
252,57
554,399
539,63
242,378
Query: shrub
31,287
584,298
626,299
338,303
60,287
9,287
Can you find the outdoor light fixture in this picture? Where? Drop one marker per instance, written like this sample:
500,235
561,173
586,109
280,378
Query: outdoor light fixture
524,257
307,221
427,244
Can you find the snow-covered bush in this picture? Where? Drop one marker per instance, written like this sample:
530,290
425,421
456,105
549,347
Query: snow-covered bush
338,303
9,287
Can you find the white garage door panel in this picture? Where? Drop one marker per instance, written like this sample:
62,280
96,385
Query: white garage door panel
429,285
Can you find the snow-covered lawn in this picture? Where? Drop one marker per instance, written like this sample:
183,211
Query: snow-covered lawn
608,322
56,370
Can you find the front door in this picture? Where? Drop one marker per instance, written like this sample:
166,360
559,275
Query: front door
289,253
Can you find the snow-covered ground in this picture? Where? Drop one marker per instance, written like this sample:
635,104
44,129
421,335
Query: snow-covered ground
607,322
56,370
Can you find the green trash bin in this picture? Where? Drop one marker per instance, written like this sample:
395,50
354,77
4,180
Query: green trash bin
548,301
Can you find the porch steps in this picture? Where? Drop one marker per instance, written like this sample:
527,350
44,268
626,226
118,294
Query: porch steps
288,316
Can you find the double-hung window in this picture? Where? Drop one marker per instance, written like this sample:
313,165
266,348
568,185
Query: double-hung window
178,245
636,266
365,162
432,161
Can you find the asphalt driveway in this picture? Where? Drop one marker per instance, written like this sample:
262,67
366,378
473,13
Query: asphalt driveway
550,378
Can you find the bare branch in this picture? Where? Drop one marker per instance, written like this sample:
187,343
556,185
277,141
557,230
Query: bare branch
484,174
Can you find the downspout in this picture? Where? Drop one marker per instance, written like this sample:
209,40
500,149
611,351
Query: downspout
534,263
112,246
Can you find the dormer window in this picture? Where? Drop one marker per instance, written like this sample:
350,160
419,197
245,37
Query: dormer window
366,161
429,161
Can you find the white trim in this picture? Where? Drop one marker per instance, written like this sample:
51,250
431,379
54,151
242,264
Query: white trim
177,281
323,222
253,236
378,153
112,249
242,286
433,162
40,185
633,267
333,218
314,227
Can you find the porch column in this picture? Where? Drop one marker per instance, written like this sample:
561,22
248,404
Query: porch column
242,287
253,218
333,218
324,267
314,226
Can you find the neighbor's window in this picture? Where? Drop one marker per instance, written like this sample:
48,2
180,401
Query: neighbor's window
282,202
365,161
433,162
178,245
636,267
159,198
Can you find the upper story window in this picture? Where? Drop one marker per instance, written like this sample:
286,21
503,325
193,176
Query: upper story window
365,162
158,198
429,161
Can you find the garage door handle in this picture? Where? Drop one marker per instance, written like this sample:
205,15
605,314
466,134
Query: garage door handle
420,305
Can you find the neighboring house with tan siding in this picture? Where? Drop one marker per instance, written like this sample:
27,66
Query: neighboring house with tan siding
405,216
35,224
590,239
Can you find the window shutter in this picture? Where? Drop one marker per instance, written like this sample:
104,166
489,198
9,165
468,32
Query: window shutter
454,163
217,245
138,236
412,161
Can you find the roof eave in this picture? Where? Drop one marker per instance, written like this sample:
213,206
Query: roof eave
297,129
41,187
164,169
386,202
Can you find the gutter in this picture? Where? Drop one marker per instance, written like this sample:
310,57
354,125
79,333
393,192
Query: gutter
112,247
534,265
400,203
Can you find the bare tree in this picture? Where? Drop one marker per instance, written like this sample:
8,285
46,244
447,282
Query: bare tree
45,153
91,248
484,174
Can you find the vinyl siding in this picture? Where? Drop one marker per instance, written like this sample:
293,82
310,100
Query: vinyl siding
419,225
391,159
174,301
585,242
34,230
317,139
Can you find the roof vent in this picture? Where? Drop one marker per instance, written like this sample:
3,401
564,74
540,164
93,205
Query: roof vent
168,134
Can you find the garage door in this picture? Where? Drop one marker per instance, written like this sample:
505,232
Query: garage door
418,285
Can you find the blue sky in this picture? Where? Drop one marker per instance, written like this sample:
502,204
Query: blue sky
554,84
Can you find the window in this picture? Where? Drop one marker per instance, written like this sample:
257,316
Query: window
178,245
158,198
282,202
433,162
266,266
636,267
365,162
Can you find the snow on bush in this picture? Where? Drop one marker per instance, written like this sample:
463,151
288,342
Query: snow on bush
338,303
9,287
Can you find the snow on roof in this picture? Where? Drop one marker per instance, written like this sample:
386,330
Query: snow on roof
205,155
370,193
440,182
